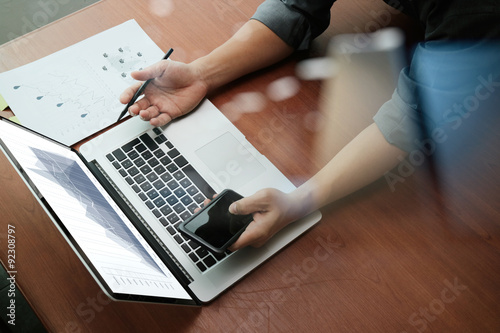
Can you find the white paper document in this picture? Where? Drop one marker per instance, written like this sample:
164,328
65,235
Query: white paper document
74,93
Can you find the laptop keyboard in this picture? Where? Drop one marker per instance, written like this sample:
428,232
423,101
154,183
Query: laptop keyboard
168,185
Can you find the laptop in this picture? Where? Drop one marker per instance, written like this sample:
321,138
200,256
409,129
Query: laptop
119,199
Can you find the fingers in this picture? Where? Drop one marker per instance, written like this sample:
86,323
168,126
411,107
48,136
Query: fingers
150,72
128,93
254,235
255,203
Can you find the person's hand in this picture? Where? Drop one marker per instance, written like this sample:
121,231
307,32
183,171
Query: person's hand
272,210
177,89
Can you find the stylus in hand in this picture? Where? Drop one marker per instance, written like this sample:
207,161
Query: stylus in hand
141,89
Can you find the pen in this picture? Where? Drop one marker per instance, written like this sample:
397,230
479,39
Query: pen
141,89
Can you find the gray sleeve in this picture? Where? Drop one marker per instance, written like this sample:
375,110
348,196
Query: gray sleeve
296,22
399,118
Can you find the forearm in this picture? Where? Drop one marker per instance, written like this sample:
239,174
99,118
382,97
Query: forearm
252,47
365,159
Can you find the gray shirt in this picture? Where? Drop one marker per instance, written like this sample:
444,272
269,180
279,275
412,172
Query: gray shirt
401,119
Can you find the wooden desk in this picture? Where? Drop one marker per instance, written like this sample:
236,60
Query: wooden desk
422,258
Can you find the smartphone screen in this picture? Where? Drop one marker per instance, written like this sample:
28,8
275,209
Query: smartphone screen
214,226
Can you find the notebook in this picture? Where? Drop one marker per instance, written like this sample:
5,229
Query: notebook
119,199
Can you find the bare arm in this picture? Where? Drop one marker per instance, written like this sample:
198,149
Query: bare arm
178,88
252,47
365,159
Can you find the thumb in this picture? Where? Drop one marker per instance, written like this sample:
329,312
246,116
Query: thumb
150,72
245,206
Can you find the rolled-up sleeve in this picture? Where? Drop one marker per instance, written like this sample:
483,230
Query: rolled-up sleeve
399,119
296,22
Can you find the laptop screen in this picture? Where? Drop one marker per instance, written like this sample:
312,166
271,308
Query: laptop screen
118,253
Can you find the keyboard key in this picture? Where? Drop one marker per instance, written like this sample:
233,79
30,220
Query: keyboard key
165,160
199,198
186,248
186,200
193,256
172,200
146,186
172,218
172,184
159,202
178,175
157,131
139,179
152,194
166,210
139,162
192,190
150,143
201,266
140,148
198,181
110,157
160,139
192,207
166,177
172,167
129,146
133,171
159,153
153,162
152,176
119,154
133,154
202,252
145,169
179,208
178,239
185,215
165,192
126,163
179,193
185,182
181,161
156,213
173,153
193,244
209,261
147,155
159,170
158,184
164,222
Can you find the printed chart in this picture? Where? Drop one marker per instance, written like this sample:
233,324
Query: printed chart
74,93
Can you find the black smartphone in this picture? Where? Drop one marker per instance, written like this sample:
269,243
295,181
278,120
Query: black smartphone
214,226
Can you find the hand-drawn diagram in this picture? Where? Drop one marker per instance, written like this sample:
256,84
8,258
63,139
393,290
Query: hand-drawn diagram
74,93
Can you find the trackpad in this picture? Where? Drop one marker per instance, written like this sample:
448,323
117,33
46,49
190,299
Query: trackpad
230,161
